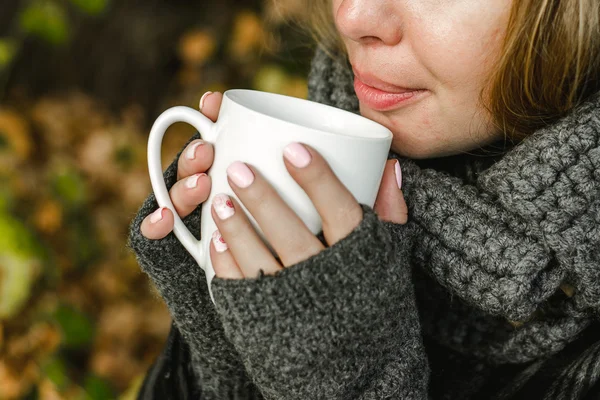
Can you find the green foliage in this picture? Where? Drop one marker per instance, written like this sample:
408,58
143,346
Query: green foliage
93,388
132,391
77,329
69,187
45,19
56,370
6,195
16,238
83,244
8,49
97,389
91,7
20,259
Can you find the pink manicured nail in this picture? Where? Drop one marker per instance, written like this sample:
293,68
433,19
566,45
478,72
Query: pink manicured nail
219,242
192,181
190,154
398,175
156,215
240,174
223,206
297,155
202,99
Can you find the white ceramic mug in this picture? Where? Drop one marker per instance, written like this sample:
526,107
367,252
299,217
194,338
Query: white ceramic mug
254,127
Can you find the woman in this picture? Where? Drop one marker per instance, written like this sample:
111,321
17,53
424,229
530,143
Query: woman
476,276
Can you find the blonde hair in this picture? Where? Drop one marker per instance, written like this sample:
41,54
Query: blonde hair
550,60
550,63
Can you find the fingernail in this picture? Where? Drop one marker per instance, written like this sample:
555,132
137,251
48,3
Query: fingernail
240,174
219,242
190,154
398,175
204,96
156,215
192,181
297,155
223,206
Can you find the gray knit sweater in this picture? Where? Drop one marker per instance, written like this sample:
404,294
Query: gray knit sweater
462,302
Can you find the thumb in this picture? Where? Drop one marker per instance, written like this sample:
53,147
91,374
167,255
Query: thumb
390,204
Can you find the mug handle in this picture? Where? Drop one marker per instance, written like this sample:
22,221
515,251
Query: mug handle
206,128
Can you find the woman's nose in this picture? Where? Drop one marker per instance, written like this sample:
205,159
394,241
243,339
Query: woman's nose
369,21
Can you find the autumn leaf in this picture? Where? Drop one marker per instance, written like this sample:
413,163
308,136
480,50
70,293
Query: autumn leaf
21,258
8,49
47,20
248,36
77,329
197,47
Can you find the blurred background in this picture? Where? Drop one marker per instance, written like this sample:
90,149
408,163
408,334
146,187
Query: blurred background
81,82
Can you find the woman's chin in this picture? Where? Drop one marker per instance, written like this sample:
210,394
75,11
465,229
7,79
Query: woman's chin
418,135
420,150
406,143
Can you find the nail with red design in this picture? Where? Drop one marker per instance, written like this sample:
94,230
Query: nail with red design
223,206
219,242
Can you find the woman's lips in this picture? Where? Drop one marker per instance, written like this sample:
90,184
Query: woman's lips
381,100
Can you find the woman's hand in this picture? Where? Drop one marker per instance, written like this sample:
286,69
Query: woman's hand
193,185
238,252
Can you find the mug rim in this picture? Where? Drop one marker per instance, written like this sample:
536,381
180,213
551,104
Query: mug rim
366,120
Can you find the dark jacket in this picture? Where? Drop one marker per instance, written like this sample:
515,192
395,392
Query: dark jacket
171,376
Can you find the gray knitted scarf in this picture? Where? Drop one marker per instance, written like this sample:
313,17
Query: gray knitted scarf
499,236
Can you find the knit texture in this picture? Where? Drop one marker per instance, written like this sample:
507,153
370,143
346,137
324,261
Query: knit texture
462,302
340,325
498,236
182,284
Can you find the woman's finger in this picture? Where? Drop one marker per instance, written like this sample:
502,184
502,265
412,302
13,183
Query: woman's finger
284,230
198,155
195,158
222,259
246,246
210,104
186,195
189,192
337,207
390,204
158,224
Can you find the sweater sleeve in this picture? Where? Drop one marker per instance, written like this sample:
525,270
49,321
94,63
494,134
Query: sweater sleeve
182,285
342,324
